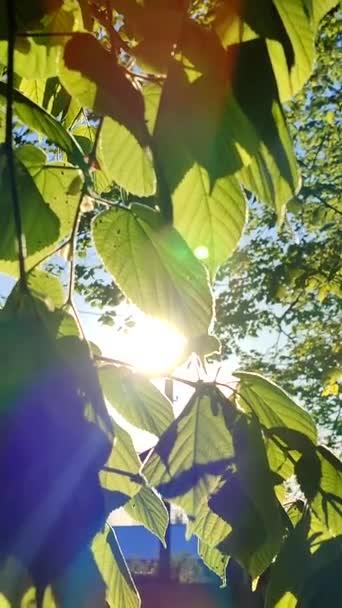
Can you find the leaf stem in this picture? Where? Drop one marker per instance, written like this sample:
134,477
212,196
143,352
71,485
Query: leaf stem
9,145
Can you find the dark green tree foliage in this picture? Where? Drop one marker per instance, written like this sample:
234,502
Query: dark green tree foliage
135,129
284,284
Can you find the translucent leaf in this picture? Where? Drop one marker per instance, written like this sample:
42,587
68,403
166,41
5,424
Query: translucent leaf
37,119
121,590
273,174
280,461
214,559
273,407
124,161
38,58
106,91
186,463
247,502
55,182
306,571
38,234
193,128
42,285
318,9
327,501
29,15
149,510
154,267
33,90
291,78
209,527
213,217
120,477
136,399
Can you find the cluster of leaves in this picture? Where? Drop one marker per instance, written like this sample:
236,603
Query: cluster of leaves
108,98
286,283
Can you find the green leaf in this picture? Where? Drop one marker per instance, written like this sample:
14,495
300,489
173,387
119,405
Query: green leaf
247,502
263,176
33,90
193,129
30,15
319,9
213,217
42,285
299,29
39,57
209,527
121,590
120,478
272,406
214,559
186,463
136,399
59,185
124,161
38,234
273,174
107,91
37,119
280,461
149,510
327,502
305,573
154,267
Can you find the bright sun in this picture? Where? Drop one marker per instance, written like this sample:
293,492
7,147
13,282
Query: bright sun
152,346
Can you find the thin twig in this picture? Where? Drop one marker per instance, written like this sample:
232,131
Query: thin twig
43,34
9,144
48,255
74,231
73,244
327,204
146,77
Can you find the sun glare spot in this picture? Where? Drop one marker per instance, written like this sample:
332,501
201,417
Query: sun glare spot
152,346
201,252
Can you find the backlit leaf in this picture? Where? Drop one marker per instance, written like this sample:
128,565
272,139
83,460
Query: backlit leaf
124,161
186,463
136,399
32,205
120,477
299,29
213,217
304,574
107,91
247,502
213,559
273,407
273,174
327,503
121,590
149,510
154,267
55,183
37,119
42,285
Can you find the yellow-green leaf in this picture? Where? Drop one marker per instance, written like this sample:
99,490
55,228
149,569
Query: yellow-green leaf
136,399
121,590
148,509
154,267
210,215
123,159
273,406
